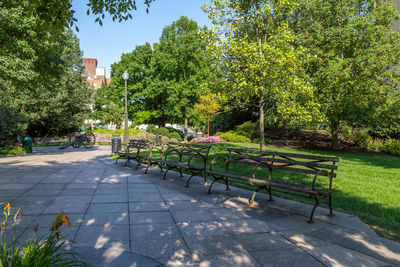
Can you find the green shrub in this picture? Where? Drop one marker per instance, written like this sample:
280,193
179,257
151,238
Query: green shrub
248,129
266,141
392,147
120,131
12,151
365,141
218,133
231,136
164,131
108,131
175,135
179,132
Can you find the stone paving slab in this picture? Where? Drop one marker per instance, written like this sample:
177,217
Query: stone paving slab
123,217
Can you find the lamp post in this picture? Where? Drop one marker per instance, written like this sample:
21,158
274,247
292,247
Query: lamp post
125,76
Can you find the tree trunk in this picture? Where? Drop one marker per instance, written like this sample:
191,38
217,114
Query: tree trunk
262,145
335,134
186,125
208,127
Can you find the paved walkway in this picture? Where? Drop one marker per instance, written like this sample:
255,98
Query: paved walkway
122,217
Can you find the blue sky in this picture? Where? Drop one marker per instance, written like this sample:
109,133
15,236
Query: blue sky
108,42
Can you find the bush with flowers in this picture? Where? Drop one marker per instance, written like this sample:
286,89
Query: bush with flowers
210,139
37,252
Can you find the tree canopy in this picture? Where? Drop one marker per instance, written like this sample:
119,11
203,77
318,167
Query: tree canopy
258,57
353,58
41,79
166,79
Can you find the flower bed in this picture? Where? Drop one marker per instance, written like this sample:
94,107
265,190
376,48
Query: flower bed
210,139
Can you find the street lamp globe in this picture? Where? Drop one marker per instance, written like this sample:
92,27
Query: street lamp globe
125,75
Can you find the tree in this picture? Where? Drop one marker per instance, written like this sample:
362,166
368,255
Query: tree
54,16
146,93
184,65
114,114
354,57
259,60
40,79
208,105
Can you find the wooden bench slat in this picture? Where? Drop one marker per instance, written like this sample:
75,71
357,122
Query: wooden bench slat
298,170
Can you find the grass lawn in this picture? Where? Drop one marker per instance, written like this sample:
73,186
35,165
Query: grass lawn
59,143
366,185
11,151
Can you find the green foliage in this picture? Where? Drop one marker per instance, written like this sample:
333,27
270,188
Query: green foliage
228,119
392,147
351,57
132,132
12,123
37,252
40,77
249,129
387,122
56,15
233,137
164,131
12,151
113,114
365,141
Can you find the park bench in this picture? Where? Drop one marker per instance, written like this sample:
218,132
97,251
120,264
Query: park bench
287,173
132,151
180,156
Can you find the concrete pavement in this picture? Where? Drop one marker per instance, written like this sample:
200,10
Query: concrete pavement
123,217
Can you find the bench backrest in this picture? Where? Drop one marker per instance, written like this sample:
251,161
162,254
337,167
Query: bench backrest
136,144
299,163
189,150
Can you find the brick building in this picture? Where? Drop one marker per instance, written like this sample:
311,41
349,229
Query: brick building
96,76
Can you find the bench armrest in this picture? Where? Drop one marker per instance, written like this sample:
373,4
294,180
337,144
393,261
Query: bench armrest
123,148
315,179
264,163
204,158
171,150
225,160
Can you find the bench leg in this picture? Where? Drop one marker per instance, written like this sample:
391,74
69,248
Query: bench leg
330,206
147,168
251,201
269,189
116,161
209,188
205,177
127,162
180,171
187,183
227,185
317,202
138,164
165,174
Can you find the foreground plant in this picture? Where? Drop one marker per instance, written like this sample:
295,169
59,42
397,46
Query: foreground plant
38,252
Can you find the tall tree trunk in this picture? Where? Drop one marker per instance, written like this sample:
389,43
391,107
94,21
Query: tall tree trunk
262,144
186,125
335,134
208,127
